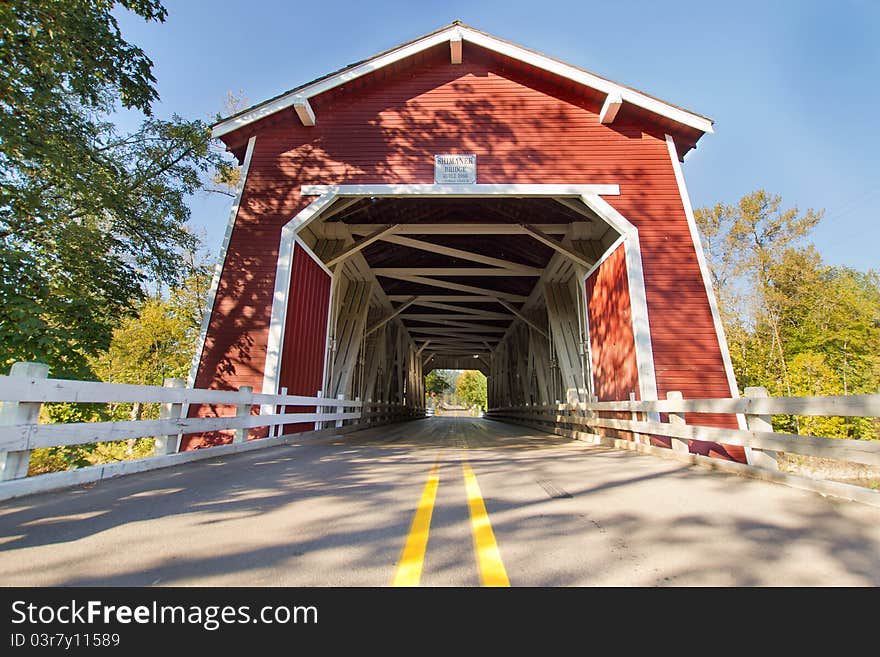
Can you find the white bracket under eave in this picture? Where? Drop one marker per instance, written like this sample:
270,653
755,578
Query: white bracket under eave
304,111
609,110
455,47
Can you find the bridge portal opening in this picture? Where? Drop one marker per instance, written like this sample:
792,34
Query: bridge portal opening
381,289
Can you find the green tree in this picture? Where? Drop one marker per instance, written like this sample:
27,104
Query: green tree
794,324
743,244
158,342
88,215
435,384
471,388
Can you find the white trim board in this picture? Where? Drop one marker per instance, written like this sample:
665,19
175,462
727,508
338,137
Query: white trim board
219,266
298,98
283,271
707,278
462,191
629,236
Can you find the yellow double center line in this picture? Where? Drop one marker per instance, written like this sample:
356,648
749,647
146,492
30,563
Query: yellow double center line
412,560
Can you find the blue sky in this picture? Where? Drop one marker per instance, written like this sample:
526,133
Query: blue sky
793,86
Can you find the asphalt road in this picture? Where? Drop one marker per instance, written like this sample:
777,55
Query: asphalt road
402,504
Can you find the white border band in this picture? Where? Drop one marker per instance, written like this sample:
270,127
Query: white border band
221,264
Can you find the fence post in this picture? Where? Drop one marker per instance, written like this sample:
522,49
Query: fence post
243,410
677,419
319,410
14,465
339,409
278,429
634,416
169,444
759,457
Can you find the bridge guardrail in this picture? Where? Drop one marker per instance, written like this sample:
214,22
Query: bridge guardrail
604,421
27,388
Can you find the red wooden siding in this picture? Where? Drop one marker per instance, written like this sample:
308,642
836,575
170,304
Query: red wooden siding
305,333
524,128
612,345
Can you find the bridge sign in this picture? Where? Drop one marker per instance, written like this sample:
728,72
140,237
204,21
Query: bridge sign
455,169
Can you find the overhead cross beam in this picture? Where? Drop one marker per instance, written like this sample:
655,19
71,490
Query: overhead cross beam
459,229
523,317
458,287
396,272
361,244
375,327
457,253
543,238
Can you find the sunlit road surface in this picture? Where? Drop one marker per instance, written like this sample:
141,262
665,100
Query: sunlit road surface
438,502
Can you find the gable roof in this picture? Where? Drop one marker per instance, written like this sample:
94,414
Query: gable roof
298,98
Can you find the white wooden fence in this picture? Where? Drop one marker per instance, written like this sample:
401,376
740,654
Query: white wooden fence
600,422
27,388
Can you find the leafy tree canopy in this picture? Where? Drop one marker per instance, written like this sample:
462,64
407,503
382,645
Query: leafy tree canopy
88,215
471,388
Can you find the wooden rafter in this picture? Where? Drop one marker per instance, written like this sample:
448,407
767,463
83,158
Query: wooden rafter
456,253
459,287
388,318
475,228
361,244
522,317
479,312
542,237
454,323
396,272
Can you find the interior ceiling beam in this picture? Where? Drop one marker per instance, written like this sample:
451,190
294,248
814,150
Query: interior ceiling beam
394,272
454,253
443,338
457,324
453,298
340,206
460,229
463,309
523,317
361,244
543,238
451,332
470,318
459,287
388,318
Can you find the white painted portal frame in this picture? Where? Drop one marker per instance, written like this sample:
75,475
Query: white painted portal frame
590,195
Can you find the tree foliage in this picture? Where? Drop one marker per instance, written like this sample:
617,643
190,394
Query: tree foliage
795,325
471,388
88,215
158,342
435,384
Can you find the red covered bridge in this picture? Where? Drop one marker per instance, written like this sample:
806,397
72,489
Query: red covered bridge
463,202
458,202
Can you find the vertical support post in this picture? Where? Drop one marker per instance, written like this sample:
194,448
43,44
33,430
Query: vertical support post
634,416
677,419
14,465
243,410
339,409
169,444
759,457
280,409
319,409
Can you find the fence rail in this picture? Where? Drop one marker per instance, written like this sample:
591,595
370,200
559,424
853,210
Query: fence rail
28,387
606,421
